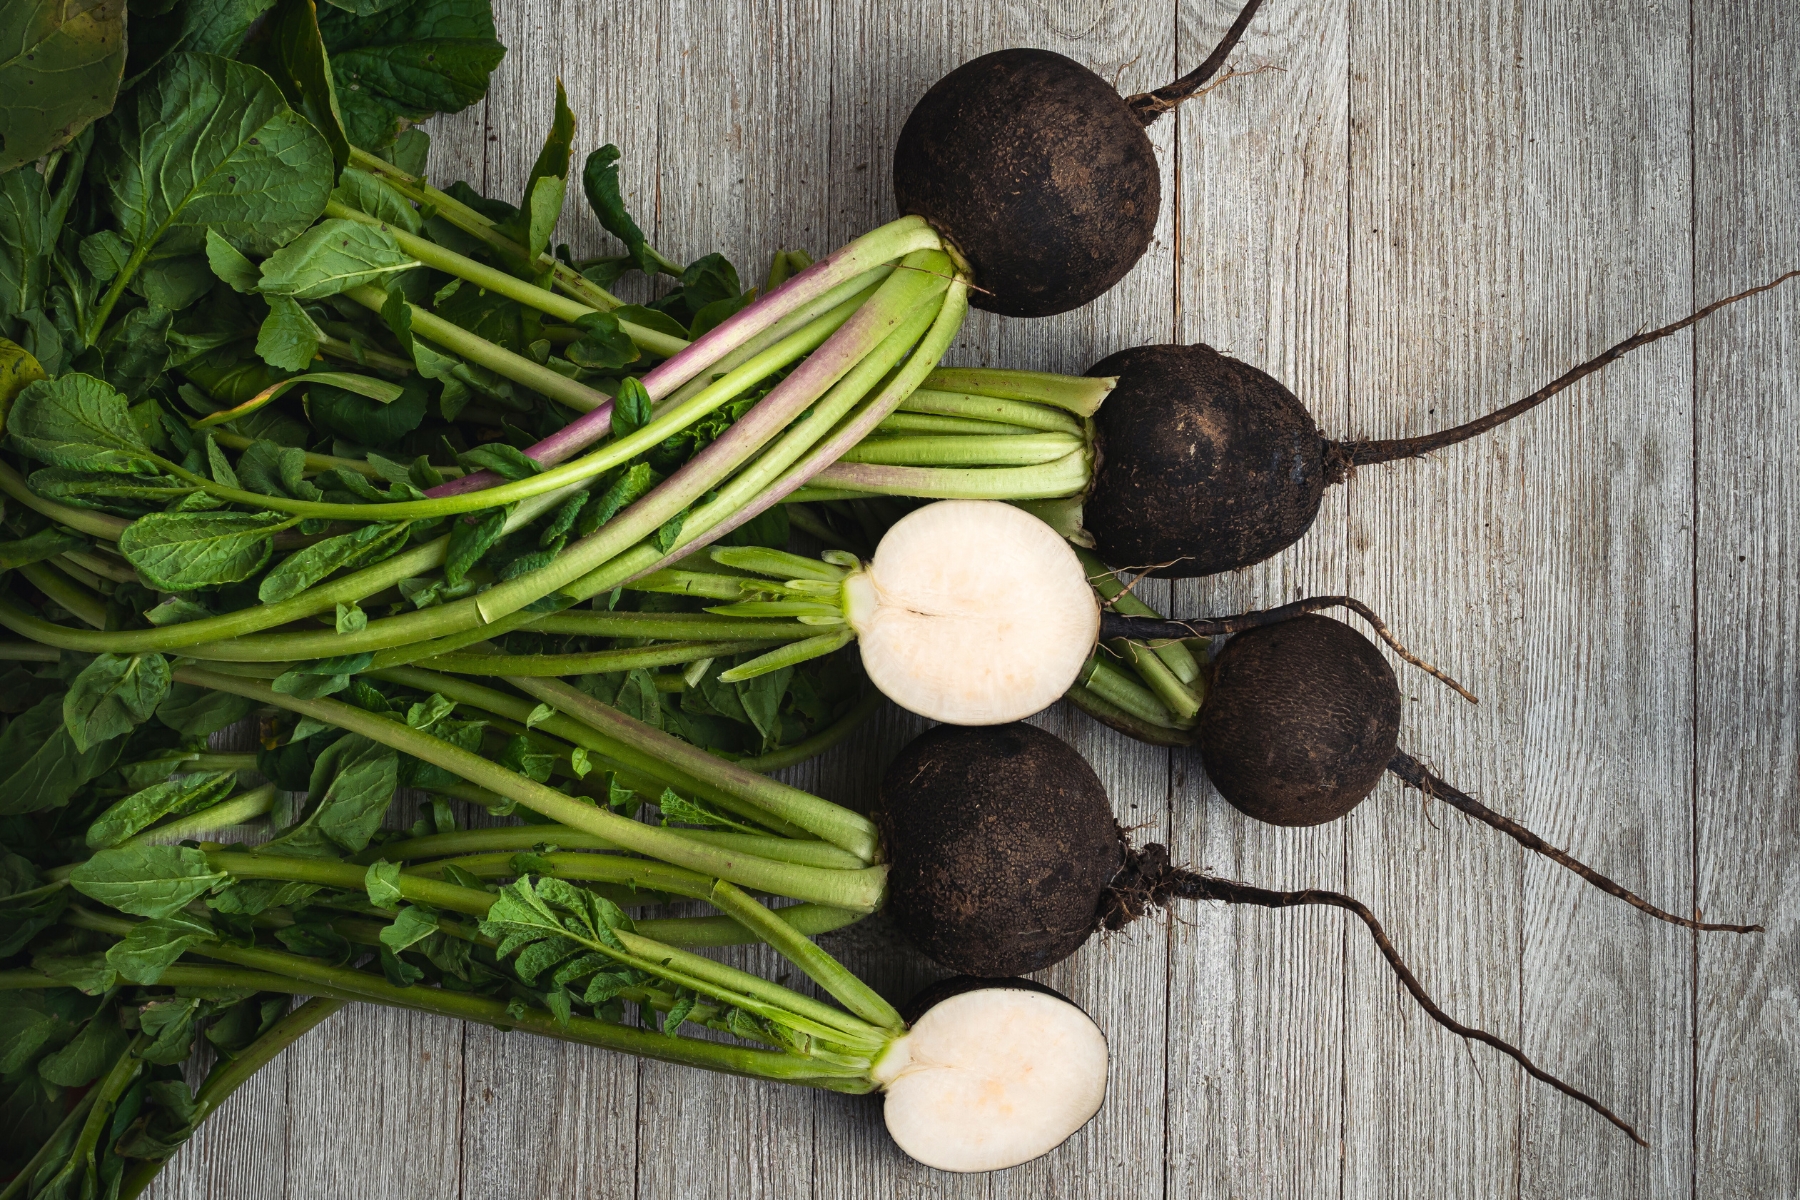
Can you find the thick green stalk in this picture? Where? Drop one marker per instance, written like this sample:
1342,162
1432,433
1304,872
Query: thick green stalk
991,409
631,764
667,626
820,967
988,450
826,820
860,890
1176,655
1118,689
84,604
1108,713
590,663
510,839
1078,394
81,520
1065,476
808,919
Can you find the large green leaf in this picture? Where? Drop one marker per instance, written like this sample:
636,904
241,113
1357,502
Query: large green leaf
408,62
212,145
31,218
331,257
60,63
178,552
147,881
40,767
113,695
289,48
79,422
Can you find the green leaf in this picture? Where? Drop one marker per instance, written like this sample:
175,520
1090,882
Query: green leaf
546,185
153,946
29,224
47,542
40,768
79,422
631,408
113,695
471,537
408,62
603,345
351,618
229,263
64,59
18,371
508,462
518,755
211,144
171,1024
288,339
412,926
332,257
89,974
288,47
382,881
678,1013
147,881
138,351
600,180
578,762
375,196
170,798
650,318
177,552
89,1056
104,254
323,677
175,282
714,314
363,420
275,470
222,471
362,775
196,711
359,548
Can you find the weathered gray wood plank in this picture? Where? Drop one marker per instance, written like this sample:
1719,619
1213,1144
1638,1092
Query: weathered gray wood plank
1256,1054
1747,557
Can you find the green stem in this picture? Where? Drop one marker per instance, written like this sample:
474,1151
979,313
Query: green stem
820,967
236,811
992,410
708,1055
316,463
987,450
1079,394
808,919
77,1119
1174,694
1179,658
501,283
484,353
861,890
1108,713
823,819
1120,690
28,652
81,520
106,1096
595,662
1065,476
513,838
789,655
60,588
668,626
327,873
916,423
631,765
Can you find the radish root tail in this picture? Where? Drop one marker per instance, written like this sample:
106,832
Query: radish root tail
1115,625
1148,879
1414,774
1343,457
1151,105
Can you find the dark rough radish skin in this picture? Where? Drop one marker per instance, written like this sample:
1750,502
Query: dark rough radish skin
1192,440
1300,721
1038,171
972,884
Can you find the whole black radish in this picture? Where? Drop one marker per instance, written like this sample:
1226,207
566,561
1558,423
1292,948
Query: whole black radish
1040,174
1208,464
1005,857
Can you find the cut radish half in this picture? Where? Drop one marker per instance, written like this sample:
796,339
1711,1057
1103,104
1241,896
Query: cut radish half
972,612
994,1074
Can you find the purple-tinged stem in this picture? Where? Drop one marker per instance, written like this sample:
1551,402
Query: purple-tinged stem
882,245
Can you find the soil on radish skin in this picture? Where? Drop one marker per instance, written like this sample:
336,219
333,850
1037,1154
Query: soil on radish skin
1191,440
1038,171
971,884
1301,720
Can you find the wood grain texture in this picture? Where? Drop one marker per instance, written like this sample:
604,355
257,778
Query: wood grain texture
1428,210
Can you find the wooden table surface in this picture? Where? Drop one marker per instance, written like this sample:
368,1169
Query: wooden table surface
1428,209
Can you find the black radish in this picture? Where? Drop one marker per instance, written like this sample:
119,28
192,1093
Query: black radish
1040,173
1208,464
1005,857
1302,719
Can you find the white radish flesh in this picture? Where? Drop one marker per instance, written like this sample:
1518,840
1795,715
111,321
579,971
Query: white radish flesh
973,612
992,1078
